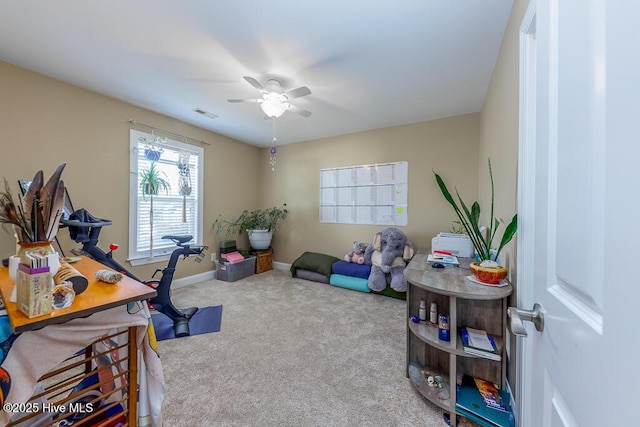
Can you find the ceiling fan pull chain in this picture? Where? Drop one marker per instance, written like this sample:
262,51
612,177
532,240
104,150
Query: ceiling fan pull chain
273,150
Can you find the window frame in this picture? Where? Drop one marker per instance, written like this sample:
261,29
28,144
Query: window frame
135,257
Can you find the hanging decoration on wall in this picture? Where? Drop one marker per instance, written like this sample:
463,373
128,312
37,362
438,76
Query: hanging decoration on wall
184,181
273,150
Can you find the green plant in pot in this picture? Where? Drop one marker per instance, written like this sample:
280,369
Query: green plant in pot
259,225
486,270
152,181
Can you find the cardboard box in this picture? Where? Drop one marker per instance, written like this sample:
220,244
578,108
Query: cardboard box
228,272
33,288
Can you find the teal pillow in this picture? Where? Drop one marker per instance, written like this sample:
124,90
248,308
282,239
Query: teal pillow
350,282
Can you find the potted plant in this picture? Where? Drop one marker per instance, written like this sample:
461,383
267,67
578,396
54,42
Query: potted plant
184,182
259,225
486,269
152,180
152,149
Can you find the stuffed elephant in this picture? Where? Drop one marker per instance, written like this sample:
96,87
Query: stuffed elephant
388,253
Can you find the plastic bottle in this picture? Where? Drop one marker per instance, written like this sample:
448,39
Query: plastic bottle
433,313
423,310
443,327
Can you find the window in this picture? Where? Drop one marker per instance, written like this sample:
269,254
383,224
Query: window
176,211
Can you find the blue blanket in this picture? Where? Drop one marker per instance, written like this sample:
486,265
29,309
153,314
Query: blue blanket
351,269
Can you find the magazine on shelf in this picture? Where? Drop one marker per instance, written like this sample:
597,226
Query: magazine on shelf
468,348
470,403
490,394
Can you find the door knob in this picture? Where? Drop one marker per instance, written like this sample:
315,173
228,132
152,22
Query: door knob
517,317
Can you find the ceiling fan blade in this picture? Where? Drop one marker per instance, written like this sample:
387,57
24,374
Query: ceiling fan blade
246,100
253,82
298,110
297,93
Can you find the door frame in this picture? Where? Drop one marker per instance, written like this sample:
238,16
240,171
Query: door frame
526,208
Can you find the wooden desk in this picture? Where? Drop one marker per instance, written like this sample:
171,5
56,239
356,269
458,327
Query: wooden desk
99,297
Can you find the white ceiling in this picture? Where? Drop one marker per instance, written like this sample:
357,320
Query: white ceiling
369,64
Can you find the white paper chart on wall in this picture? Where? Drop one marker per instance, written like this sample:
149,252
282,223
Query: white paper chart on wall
365,194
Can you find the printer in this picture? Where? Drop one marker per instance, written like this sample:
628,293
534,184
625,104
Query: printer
459,245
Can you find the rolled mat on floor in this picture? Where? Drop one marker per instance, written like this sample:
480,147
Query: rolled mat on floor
349,282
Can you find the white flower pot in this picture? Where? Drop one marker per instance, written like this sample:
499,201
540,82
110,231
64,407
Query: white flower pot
260,239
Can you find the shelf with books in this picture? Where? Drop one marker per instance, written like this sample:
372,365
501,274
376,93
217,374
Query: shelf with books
481,401
466,305
495,343
428,332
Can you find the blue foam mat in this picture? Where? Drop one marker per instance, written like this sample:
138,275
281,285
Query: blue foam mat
206,320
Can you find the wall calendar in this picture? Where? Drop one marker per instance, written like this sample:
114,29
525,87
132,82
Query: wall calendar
365,194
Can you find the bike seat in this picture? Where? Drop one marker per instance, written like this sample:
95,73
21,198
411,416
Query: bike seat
180,239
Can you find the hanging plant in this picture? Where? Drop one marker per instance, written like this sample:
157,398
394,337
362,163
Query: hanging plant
184,174
152,180
152,155
152,149
184,181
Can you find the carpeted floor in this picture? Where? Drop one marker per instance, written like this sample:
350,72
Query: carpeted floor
292,353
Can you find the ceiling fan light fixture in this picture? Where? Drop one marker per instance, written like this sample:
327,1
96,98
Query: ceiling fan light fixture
273,105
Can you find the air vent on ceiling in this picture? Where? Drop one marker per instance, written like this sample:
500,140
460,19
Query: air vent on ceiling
205,113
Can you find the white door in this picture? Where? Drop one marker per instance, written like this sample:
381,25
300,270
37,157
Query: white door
579,213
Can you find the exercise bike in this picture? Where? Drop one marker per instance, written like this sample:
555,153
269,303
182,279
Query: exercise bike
85,228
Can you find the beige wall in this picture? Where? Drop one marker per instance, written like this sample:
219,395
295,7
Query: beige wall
59,122
499,133
448,146
46,122
499,140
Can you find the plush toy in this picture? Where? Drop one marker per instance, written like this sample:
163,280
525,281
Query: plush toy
357,253
388,253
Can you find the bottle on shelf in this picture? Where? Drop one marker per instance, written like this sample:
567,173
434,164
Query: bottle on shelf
443,327
433,313
423,310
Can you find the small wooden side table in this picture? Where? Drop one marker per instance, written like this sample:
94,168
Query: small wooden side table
264,260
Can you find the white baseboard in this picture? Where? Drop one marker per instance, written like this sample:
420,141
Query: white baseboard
208,275
190,280
281,266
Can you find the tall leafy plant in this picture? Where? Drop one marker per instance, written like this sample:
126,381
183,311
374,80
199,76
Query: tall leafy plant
469,220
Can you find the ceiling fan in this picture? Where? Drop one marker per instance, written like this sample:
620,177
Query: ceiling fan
275,101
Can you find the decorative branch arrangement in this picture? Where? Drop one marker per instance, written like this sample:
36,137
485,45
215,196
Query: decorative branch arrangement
36,217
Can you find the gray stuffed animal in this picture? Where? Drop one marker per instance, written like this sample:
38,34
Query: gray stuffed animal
389,252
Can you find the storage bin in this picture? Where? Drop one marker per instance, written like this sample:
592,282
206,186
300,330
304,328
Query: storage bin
228,272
